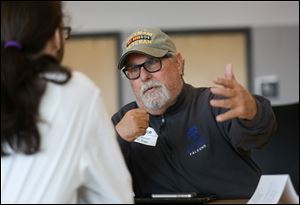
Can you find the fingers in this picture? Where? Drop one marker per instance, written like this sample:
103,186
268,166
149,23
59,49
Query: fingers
229,73
143,124
226,103
133,124
142,120
229,79
226,116
224,82
138,115
237,100
139,133
226,92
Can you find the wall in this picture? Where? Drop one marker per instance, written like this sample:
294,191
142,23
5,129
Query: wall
116,15
276,52
275,31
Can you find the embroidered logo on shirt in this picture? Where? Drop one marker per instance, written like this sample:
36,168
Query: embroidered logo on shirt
196,143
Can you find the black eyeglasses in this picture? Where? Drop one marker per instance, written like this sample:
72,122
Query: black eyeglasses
66,30
133,72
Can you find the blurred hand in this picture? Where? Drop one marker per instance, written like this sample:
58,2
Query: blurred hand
238,100
133,124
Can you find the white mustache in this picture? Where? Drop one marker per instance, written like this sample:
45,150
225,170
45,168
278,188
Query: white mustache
154,100
148,85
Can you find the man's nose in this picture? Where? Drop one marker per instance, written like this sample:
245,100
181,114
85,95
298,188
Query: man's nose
145,75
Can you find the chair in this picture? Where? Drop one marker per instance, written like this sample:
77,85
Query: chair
281,155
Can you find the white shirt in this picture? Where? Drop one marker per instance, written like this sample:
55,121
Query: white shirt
80,160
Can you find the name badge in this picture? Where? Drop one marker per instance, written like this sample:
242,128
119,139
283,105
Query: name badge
150,138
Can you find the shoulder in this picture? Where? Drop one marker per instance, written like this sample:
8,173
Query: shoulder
80,90
81,82
79,93
199,92
79,87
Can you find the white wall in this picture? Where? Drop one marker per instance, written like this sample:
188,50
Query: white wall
115,15
275,30
276,53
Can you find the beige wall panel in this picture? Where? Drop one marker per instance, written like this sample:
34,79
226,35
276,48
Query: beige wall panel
96,57
206,56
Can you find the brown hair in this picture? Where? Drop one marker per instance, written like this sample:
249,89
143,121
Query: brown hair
31,24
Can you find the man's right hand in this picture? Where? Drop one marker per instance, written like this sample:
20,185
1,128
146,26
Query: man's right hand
133,124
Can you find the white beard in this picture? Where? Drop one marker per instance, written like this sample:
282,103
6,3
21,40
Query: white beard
154,100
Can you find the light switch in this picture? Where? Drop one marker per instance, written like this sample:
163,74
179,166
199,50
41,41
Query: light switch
267,86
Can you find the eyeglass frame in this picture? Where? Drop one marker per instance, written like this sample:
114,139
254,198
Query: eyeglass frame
168,55
66,31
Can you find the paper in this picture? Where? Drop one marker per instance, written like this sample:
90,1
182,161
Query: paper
149,138
274,189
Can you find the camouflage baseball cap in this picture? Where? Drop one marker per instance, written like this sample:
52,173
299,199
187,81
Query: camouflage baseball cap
149,41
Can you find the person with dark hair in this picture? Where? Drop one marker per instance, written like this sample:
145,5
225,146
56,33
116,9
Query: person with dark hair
177,138
57,142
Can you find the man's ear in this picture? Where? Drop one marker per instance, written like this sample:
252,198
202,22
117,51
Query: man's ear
180,63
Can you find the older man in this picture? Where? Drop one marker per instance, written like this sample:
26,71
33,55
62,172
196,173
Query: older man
177,138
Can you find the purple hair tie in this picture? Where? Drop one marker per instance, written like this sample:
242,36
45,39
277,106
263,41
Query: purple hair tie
14,44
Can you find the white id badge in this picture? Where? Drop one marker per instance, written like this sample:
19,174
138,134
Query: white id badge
150,138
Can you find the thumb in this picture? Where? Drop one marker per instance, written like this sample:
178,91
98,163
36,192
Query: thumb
228,72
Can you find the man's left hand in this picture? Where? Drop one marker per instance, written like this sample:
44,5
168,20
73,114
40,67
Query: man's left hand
238,100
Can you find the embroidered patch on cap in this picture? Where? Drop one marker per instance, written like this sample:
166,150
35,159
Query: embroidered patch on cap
139,38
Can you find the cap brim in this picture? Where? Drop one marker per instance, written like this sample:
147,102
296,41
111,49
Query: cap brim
158,53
